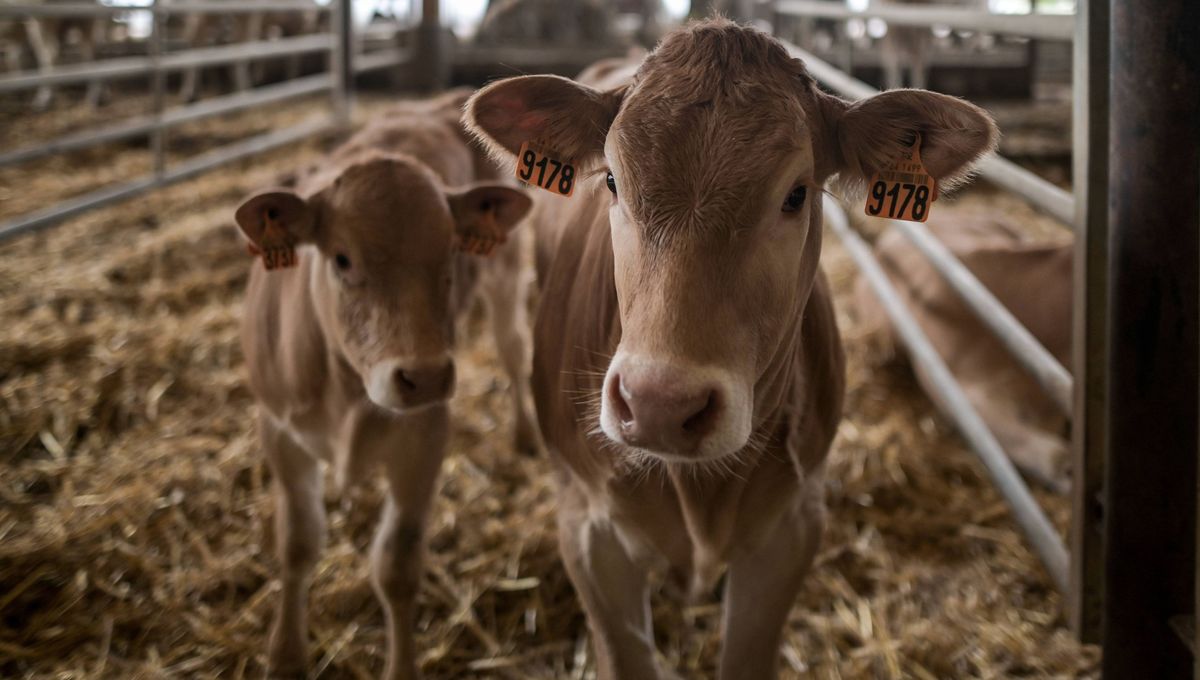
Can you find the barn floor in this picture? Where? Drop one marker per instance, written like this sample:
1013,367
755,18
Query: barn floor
135,532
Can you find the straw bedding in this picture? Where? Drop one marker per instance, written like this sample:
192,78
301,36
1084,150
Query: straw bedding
135,532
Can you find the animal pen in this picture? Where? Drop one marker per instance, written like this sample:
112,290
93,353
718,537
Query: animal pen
1128,570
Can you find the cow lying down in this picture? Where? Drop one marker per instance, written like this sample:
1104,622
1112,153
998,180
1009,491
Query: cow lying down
348,340
1033,281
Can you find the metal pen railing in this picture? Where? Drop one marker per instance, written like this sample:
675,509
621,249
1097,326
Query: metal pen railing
1028,514
337,81
1051,376
1043,26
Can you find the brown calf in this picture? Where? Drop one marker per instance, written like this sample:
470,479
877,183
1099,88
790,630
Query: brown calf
1033,281
687,367
349,352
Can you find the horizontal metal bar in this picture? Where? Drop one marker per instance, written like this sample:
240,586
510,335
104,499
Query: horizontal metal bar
187,169
1020,343
374,61
1043,26
1042,536
67,10
61,75
259,49
143,125
83,139
1056,201
244,100
195,58
84,9
1004,173
219,7
474,55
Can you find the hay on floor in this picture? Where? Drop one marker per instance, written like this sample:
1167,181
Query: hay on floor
135,532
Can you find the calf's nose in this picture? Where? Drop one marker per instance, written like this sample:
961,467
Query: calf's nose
661,410
418,384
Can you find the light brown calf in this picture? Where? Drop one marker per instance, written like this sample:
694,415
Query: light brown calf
687,367
349,352
1034,282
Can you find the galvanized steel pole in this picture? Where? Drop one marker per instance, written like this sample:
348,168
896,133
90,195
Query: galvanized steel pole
1090,311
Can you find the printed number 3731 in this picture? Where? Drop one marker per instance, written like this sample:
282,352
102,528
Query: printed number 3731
900,201
546,172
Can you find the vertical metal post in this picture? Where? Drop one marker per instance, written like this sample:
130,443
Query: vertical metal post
1090,286
432,65
341,60
158,85
1154,343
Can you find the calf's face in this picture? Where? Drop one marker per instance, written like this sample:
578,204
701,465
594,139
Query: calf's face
714,160
383,233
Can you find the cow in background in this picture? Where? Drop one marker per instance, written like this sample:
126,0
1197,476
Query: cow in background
1033,281
537,23
207,29
47,39
909,47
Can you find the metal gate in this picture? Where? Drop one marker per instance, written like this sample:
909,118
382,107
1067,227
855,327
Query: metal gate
337,80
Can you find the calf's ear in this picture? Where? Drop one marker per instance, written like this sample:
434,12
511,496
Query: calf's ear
567,117
484,214
276,215
873,132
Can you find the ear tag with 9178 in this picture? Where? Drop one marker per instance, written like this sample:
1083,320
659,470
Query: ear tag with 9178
905,190
540,168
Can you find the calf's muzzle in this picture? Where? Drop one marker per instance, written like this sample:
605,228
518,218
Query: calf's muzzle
662,408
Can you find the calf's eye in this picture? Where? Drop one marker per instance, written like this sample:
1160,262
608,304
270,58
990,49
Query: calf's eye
612,183
795,200
342,262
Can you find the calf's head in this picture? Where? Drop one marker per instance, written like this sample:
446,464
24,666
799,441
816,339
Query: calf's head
714,159
381,234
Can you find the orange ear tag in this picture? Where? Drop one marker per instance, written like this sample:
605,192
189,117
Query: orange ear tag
483,241
275,245
905,190
539,167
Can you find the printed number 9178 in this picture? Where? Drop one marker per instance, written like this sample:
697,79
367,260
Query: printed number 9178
902,201
545,172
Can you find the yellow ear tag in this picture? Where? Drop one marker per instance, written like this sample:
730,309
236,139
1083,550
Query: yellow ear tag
275,246
484,240
539,167
905,190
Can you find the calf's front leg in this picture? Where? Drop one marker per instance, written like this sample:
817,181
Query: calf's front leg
761,588
300,537
413,460
613,590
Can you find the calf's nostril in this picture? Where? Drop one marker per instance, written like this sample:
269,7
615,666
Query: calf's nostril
619,397
405,381
702,421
